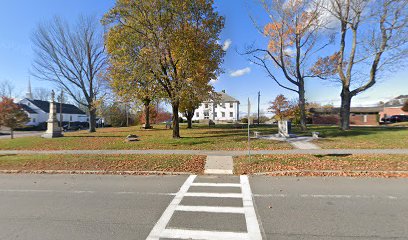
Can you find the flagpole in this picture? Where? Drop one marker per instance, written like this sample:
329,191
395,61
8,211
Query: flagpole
249,122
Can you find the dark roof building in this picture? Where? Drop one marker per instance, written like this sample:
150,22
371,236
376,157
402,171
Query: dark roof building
66,108
336,110
362,116
27,108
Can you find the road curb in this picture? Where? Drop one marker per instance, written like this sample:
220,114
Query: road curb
101,172
332,172
403,151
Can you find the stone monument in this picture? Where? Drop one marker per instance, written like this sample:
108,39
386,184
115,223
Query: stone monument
53,130
285,129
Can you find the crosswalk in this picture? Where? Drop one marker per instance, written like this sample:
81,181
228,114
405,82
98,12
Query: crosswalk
214,204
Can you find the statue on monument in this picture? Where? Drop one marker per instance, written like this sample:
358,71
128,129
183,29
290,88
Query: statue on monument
52,96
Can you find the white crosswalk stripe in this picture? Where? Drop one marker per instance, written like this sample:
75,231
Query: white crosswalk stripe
194,234
213,195
210,209
160,230
216,184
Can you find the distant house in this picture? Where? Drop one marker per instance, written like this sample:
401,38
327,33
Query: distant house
393,107
223,109
359,116
38,111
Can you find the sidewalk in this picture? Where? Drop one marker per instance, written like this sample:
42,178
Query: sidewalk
212,152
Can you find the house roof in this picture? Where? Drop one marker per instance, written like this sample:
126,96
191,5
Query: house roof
325,110
402,97
376,109
352,110
27,108
66,108
223,97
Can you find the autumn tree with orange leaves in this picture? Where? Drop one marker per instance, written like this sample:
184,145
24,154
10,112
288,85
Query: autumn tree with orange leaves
295,37
281,107
12,115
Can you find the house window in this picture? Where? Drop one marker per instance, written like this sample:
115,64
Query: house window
215,114
206,115
33,120
197,114
223,114
231,105
206,105
231,114
70,118
215,105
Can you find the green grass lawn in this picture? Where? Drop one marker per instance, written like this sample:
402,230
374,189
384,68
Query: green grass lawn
272,163
171,163
360,137
220,137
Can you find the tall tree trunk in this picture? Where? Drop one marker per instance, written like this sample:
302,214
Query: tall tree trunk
302,106
176,125
147,113
11,133
92,120
345,108
190,115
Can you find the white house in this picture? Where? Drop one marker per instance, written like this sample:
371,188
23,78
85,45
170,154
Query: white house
223,109
38,110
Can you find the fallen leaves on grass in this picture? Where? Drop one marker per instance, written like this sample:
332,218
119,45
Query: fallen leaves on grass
170,163
323,165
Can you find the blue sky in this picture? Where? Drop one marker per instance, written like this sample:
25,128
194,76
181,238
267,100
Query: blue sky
19,18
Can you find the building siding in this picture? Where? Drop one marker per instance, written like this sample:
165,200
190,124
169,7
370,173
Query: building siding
212,111
389,111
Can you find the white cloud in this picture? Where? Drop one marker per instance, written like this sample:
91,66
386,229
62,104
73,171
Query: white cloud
213,81
240,72
227,44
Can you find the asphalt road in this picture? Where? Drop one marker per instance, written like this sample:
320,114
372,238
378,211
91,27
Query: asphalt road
135,207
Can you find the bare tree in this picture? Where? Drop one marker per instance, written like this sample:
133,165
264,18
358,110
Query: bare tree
6,89
295,34
74,58
42,94
373,38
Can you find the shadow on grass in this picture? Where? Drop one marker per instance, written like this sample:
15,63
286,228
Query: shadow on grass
98,136
7,155
333,155
334,131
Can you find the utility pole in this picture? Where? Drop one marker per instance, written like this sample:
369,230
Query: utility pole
259,99
61,99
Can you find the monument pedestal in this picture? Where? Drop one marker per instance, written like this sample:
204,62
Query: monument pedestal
53,130
285,129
